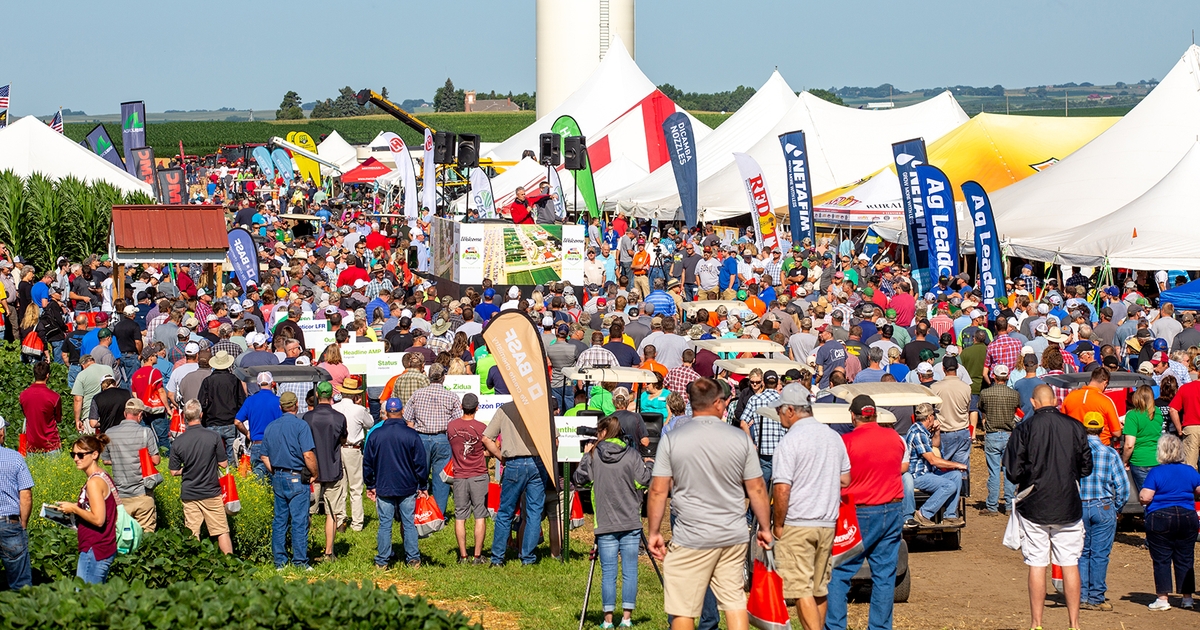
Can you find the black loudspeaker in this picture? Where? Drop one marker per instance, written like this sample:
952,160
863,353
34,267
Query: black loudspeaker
575,153
551,145
443,147
468,150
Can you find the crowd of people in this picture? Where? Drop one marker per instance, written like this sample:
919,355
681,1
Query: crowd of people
1057,456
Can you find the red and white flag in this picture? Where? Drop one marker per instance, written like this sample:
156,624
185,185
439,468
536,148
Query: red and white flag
56,122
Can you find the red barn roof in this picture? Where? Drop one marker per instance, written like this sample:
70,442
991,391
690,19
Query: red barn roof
167,228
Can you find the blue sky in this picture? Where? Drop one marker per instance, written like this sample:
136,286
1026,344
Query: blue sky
214,54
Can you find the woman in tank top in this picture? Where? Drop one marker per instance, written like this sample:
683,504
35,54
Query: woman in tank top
95,512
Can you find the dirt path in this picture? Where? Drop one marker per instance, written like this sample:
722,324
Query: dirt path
983,585
476,609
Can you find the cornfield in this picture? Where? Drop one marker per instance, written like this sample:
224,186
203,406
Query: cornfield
42,219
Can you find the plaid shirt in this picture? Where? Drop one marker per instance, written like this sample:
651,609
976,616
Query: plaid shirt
1107,481
774,270
1176,369
1004,350
176,353
228,346
597,355
1060,393
919,442
375,286
770,431
152,325
431,408
300,390
441,343
203,311
677,380
999,404
408,383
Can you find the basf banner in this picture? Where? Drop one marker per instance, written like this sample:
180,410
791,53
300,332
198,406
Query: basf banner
141,165
908,155
133,130
987,247
283,164
243,256
795,159
262,157
762,213
172,189
941,222
517,346
681,145
481,197
566,126
98,141
429,175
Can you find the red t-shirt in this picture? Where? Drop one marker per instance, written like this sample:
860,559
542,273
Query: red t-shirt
376,240
466,448
1187,402
43,411
146,384
352,273
905,306
876,453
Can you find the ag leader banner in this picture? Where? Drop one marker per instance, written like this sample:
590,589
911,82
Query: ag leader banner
987,247
172,190
762,213
521,359
681,145
141,165
795,159
98,141
133,131
941,222
908,155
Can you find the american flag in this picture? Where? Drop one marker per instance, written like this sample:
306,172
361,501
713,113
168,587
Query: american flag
56,122
4,105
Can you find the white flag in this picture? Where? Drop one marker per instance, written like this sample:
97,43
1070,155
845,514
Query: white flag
429,190
560,207
408,174
481,194
762,213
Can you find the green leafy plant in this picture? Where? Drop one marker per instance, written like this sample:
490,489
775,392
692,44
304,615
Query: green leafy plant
15,377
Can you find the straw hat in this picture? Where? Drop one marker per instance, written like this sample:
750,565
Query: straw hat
221,361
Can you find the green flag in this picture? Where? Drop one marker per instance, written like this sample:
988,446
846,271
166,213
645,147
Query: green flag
566,126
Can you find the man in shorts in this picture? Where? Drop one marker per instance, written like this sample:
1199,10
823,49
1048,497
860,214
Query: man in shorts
470,485
810,469
1048,503
708,466
196,456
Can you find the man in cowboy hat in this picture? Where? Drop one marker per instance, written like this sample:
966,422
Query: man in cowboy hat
440,338
221,396
358,421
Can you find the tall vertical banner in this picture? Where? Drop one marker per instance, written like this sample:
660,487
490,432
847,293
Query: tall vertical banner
556,187
762,213
681,145
566,126
941,222
909,155
987,247
172,190
141,166
243,256
573,237
309,169
99,143
871,246
470,238
795,160
403,159
283,164
262,157
429,175
481,196
133,130
517,347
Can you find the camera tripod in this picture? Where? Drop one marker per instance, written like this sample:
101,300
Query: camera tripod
595,554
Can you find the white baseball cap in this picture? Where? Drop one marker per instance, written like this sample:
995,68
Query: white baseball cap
977,314
265,378
514,292
191,349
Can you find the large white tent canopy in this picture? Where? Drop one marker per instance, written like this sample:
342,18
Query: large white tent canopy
337,151
29,146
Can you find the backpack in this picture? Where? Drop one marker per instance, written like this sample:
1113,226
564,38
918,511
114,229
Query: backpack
129,532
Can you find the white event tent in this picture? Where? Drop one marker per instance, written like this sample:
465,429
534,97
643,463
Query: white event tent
657,193
336,150
29,146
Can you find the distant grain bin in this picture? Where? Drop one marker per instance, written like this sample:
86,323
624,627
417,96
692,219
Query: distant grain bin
572,37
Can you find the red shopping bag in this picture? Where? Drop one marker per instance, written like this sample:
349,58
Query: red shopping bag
847,538
1056,577
229,494
22,444
765,603
493,499
577,519
447,473
150,475
427,516
177,425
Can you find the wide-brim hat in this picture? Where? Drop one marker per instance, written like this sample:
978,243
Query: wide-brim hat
440,327
221,361
351,385
1056,335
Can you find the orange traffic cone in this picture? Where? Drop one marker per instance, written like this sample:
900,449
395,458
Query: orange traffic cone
150,475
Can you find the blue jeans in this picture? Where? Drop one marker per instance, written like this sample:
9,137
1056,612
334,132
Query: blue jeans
1100,527
14,553
291,503
256,463
565,396
689,292
626,269
56,352
127,363
91,570
910,502
1139,475
161,425
1171,538
627,543
437,453
387,509
994,444
766,465
228,433
520,474
944,488
881,528
956,446
72,372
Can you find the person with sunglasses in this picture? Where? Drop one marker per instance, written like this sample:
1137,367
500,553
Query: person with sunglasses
95,512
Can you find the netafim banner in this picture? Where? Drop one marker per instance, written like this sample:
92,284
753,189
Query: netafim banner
481,197
762,213
262,157
566,126
141,165
795,160
172,189
403,160
681,145
283,164
909,155
98,141
987,247
243,256
429,176
133,130
941,222
516,345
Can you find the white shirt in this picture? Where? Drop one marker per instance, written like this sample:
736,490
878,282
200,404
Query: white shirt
358,420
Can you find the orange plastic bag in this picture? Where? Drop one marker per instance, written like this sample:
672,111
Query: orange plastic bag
229,494
765,603
150,475
427,516
847,538
577,519
177,425
244,465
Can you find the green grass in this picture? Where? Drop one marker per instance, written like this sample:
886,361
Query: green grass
542,276
520,277
1078,111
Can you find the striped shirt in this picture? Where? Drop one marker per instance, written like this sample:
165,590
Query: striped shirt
1107,480
431,408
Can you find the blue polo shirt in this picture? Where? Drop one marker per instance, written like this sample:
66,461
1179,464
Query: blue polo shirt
286,440
38,292
729,269
259,410
90,341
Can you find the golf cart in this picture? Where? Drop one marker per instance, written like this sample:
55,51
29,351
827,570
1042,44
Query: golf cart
731,306
738,346
607,374
283,373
